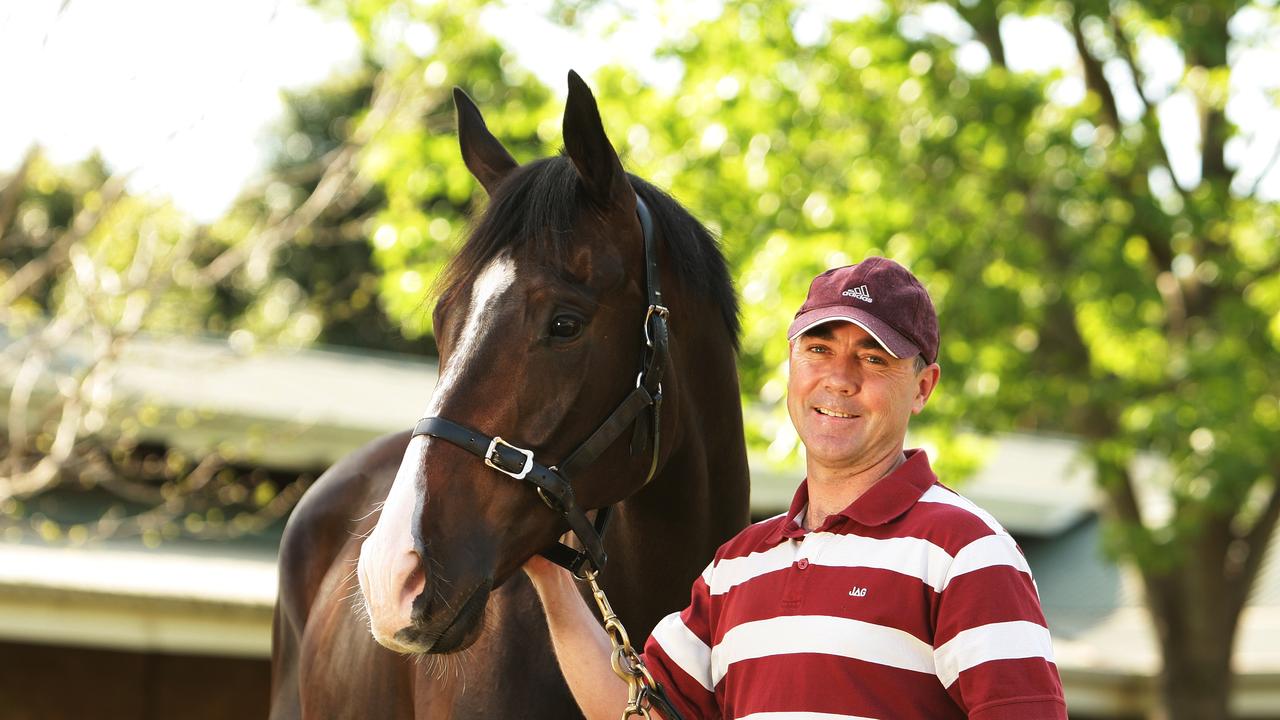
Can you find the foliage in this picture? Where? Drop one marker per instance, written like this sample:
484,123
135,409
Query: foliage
1084,286
84,267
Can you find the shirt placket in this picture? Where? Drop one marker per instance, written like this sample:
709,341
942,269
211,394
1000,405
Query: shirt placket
795,590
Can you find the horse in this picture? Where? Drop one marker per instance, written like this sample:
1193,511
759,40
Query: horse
546,325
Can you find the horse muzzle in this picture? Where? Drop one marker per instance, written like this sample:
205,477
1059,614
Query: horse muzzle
412,612
439,629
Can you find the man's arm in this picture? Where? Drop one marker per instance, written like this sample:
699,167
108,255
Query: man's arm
581,645
992,646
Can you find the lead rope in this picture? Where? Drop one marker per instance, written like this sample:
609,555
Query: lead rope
644,694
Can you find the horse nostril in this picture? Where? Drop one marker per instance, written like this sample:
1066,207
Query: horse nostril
415,582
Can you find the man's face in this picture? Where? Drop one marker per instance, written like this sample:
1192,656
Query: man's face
849,399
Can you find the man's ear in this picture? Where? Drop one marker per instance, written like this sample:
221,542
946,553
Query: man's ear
484,155
926,382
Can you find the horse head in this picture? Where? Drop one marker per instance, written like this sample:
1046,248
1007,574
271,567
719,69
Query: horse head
540,328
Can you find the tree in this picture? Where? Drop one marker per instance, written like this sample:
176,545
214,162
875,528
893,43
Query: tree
84,267
336,244
413,160
1084,286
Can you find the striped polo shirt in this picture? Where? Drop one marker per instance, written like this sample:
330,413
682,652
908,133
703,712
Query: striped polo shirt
910,603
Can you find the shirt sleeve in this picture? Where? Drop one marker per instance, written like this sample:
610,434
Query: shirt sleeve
992,648
678,655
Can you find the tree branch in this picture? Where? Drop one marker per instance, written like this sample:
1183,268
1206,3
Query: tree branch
1213,133
84,223
1125,47
1255,544
984,18
11,193
1209,50
1266,170
1094,78
1149,120
341,177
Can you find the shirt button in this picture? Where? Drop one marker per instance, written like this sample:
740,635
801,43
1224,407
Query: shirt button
803,563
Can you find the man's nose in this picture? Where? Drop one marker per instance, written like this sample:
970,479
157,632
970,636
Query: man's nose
845,377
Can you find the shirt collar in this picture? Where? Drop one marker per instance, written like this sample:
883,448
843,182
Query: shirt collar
891,496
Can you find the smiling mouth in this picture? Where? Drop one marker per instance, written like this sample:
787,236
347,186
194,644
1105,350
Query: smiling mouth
834,413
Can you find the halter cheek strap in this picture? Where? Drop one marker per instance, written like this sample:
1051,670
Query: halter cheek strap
553,483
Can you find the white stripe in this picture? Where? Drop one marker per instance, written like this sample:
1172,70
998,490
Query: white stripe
735,571
824,635
909,556
801,716
985,552
707,572
996,641
939,494
685,649
492,282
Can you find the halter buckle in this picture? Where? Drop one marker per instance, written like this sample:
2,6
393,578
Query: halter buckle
661,311
492,458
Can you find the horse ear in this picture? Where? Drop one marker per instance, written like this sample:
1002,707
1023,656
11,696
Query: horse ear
484,155
589,148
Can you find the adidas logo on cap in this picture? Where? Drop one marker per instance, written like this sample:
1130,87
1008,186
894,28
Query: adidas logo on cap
859,292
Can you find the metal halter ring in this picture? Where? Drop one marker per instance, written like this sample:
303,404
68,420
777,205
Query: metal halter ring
491,453
640,381
549,500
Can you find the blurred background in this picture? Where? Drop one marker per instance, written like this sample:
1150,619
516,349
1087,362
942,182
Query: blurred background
220,224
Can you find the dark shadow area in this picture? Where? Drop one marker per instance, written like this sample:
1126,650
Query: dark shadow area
44,682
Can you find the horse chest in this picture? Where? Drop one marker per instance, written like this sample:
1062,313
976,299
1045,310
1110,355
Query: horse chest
509,672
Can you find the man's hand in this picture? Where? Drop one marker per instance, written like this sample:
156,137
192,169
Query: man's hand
542,570
582,647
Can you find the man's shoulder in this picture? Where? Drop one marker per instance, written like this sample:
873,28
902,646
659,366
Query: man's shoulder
945,514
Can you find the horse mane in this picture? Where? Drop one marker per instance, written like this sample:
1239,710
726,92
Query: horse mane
535,210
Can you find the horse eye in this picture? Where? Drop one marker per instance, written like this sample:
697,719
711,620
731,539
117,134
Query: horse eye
565,326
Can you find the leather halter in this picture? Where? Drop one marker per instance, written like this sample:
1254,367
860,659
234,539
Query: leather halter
553,482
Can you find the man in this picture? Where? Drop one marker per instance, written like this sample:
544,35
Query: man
880,593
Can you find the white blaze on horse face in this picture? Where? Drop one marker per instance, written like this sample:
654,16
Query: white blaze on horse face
492,283
389,569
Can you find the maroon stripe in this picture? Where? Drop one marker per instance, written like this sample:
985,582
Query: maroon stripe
698,615
1031,680
824,683
949,527
891,599
687,694
966,603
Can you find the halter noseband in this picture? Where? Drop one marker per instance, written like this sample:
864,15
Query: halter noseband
552,483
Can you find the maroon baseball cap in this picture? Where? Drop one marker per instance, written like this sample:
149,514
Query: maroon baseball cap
879,296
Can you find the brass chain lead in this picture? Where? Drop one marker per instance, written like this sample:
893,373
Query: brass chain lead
625,660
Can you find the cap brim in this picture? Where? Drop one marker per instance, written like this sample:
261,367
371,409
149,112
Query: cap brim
890,339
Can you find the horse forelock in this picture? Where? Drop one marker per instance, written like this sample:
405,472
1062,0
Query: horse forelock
533,215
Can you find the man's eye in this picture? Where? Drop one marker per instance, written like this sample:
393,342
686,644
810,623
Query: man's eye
565,327
876,360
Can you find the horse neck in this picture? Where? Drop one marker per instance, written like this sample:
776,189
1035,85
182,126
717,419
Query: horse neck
666,533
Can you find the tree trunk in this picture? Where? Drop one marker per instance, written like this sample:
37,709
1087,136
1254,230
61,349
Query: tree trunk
1196,684
1196,622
